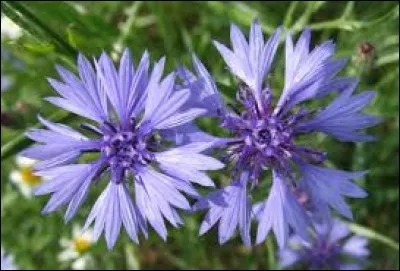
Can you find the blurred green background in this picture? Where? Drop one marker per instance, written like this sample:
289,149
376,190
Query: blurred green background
366,32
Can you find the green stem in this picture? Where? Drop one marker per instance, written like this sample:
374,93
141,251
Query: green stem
349,25
348,10
371,234
127,25
29,16
289,14
312,7
13,15
271,253
132,261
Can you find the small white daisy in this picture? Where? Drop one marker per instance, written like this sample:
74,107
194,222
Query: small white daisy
9,29
76,250
24,177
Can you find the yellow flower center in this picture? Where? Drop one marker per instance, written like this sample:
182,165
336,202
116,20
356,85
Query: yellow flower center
81,244
29,178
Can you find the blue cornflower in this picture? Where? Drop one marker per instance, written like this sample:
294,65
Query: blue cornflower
7,262
7,80
131,109
264,136
332,247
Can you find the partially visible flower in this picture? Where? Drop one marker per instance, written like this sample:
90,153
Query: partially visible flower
146,173
77,249
7,262
264,135
366,56
332,248
9,29
7,57
6,82
24,177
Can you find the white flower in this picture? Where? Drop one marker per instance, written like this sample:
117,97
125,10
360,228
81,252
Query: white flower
9,29
76,250
24,177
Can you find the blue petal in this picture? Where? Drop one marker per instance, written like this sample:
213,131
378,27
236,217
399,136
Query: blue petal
342,118
231,207
330,185
149,209
356,246
113,219
280,211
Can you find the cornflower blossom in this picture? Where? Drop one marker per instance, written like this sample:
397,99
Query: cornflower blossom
264,136
332,247
146,176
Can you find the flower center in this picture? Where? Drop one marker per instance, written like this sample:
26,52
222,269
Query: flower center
324,255
126,149
81,244
263,136
263,141
29,178
267,135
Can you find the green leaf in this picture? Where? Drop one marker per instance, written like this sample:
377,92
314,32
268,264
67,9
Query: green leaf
27,20
388,59
39,47
132,261
271,253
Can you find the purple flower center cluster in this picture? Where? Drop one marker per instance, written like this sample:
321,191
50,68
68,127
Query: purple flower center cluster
332,247
126,148
263,140
323,255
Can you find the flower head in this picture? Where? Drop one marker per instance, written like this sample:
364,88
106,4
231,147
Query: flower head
77,248
131,109
332,247
7,262
265,136
24,176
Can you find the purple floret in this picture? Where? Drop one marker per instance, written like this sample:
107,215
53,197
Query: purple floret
331,248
